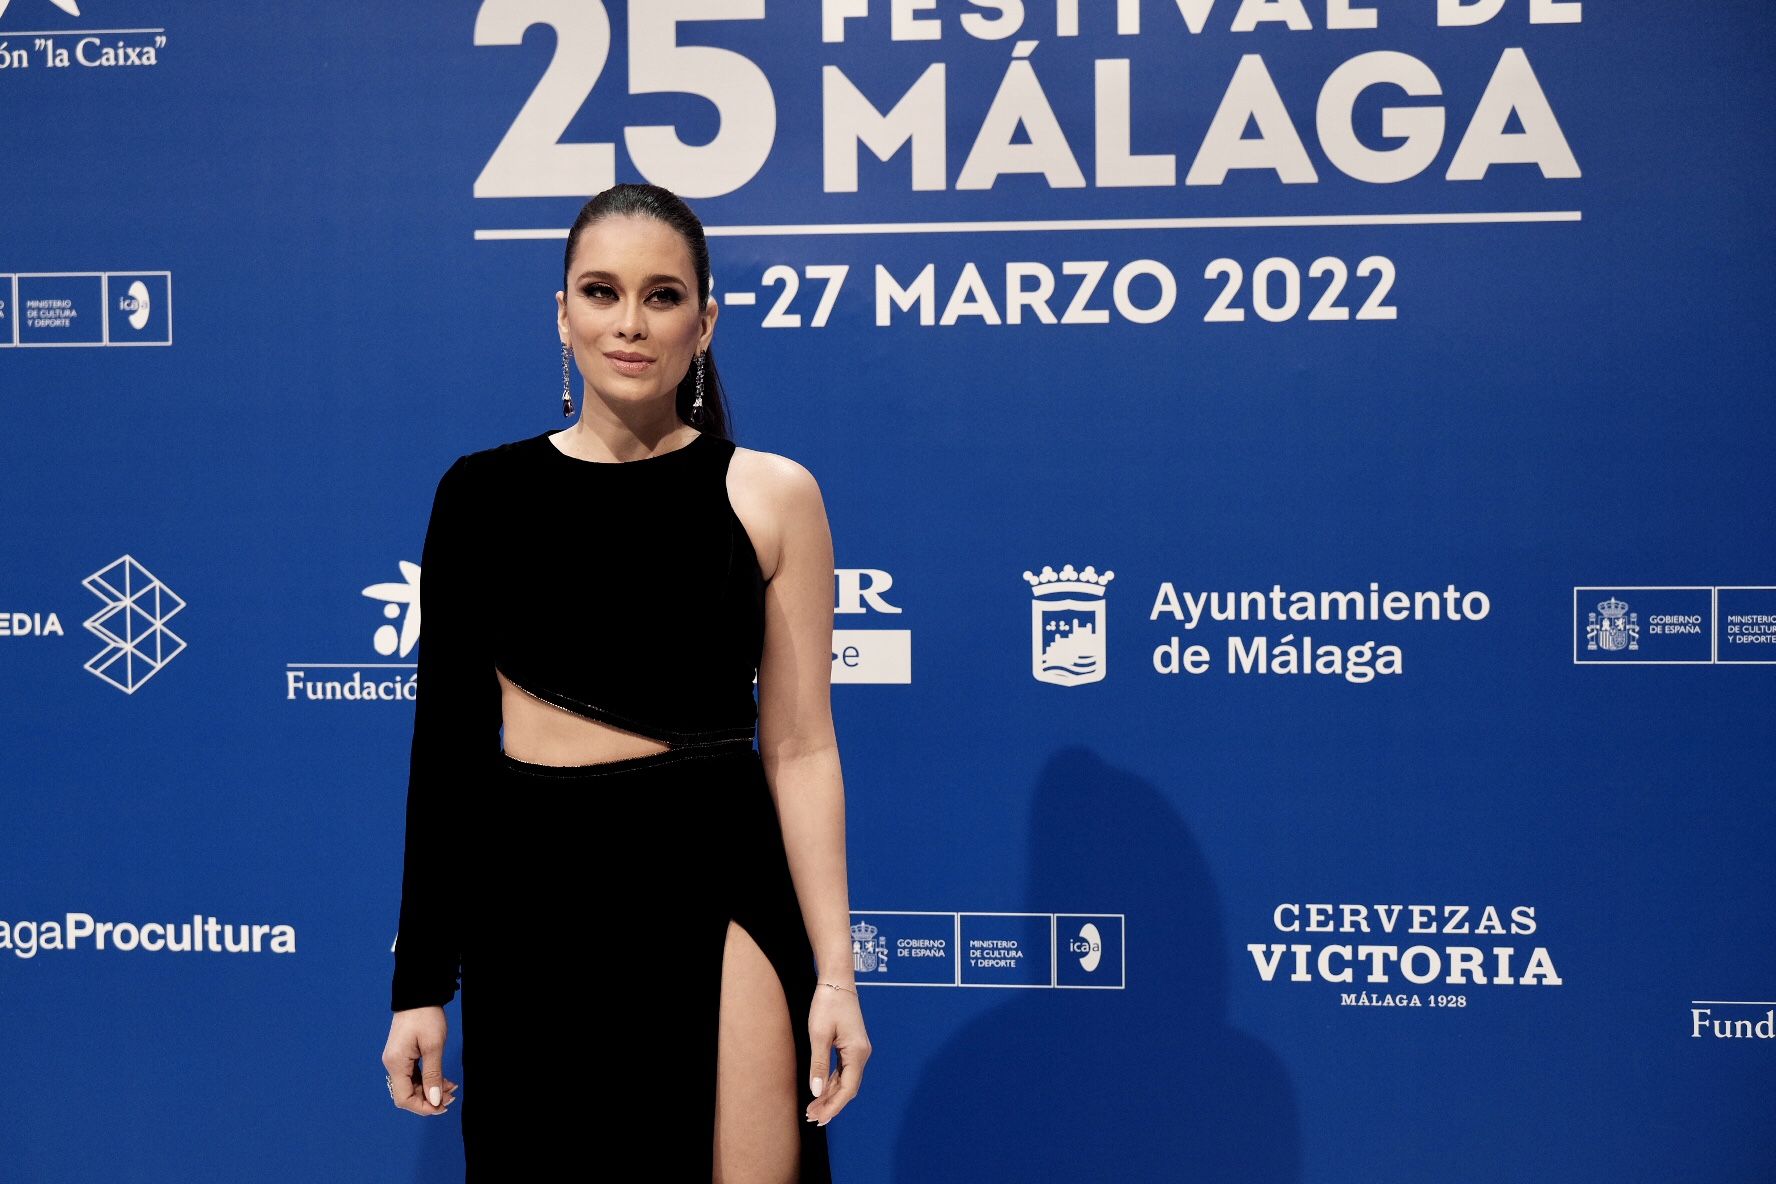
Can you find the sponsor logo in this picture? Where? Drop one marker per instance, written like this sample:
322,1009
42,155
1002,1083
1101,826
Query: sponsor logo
199,935
68,6
1067,639
1462,948
1674,624
868,655
1069,635
1732,1019
133,624
395,637
58,309
72,51
921,949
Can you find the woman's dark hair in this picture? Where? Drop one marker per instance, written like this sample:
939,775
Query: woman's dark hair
651,201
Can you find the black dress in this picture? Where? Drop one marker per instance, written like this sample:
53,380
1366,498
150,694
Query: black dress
583,910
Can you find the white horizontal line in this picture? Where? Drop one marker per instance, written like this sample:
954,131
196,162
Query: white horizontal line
69,32
1740,1002
1215,223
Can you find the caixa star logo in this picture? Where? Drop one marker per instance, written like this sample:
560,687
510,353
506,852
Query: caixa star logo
67,6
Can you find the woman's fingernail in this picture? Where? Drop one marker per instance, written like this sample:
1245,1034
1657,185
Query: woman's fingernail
814,1084
436,1095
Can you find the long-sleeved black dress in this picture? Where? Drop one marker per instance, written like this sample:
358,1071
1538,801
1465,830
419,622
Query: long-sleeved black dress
583,910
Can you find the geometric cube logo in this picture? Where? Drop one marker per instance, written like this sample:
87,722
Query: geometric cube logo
132,624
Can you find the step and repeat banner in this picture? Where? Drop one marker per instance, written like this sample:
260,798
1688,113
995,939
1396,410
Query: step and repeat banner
1301,479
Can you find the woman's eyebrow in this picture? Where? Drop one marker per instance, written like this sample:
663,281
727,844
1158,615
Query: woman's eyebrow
605,275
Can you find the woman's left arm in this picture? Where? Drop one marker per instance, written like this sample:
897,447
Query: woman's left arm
800,754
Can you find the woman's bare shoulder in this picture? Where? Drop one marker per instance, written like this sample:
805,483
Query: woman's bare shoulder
783,475
771,494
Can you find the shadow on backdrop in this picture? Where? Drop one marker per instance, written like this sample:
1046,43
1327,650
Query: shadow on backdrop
1150,1084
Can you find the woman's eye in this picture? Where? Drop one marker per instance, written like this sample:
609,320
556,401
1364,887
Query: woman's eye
602,291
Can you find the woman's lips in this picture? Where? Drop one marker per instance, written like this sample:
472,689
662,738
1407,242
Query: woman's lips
629,366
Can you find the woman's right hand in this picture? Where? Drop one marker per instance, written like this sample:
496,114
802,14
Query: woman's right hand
415,1036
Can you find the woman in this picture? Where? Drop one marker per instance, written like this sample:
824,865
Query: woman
651,931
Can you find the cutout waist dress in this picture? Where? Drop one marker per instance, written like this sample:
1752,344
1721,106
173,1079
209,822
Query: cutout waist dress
627,592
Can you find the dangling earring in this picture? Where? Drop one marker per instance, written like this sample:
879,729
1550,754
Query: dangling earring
567,403
697,403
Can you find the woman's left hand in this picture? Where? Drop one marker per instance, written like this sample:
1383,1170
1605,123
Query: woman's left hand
835,1022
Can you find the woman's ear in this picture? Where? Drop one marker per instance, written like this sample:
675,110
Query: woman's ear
710,311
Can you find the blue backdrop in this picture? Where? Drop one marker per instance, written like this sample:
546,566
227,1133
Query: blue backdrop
1300,476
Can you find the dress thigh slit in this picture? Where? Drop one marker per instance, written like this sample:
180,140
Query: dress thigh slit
597,900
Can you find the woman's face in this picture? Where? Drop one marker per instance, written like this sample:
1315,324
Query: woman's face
633,294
